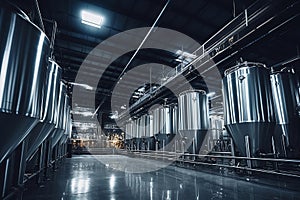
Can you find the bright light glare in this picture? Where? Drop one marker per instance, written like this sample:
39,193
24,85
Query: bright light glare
91,19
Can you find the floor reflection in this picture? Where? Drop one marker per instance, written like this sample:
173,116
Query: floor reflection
87,178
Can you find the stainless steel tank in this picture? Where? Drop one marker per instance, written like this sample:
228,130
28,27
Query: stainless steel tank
156,121
60,127
128,130
147,125
248,107
163,120
193,120
24,52
67,122
174,120
142,123
138,129
165,123
286,97
151,125
41,131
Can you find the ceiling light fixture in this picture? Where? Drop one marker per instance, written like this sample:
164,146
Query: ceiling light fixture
91,19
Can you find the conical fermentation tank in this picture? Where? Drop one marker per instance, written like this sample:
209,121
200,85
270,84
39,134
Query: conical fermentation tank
128,134
163,127
156,121
150,141
24,52
67,122
193,120
248,111
142,126
51,90
286,97
128,130
165,123
60,126
174,120
148,126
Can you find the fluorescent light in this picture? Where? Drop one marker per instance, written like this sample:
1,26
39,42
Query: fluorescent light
91,19
85,86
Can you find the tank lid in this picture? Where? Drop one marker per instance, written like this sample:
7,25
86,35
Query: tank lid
243,65
192,91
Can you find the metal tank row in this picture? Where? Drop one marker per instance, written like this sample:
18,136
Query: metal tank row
173,128
261,115
262,110
35,115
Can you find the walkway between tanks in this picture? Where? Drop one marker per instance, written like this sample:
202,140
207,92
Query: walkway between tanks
85,177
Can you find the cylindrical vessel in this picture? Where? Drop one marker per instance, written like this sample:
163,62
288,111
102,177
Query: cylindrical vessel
41,131
151,126
193,110
60,127
286,97
128,129
175,120
142,123
156,121
193,119
248,107
136,128
165,124
24,52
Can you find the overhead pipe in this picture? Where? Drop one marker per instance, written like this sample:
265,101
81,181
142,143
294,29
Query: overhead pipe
53,36
218,43
41,24
137,50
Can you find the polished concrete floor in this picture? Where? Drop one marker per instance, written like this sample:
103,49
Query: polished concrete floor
111,177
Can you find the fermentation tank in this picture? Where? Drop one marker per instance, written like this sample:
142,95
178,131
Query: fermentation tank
165,123
175,120
248,111
156,120
286,97
163,127
128,130
193,120
149,134
128,134
142,123
41,131
60,127
24,52
136,134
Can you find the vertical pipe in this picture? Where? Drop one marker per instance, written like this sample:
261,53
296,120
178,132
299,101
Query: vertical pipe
248,152
41,24
232,150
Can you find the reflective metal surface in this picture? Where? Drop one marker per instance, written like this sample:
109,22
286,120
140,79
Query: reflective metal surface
142,126
24,51
85,177
174,120
286,97
156,120
60,126
193,120
193,111
128,130
248,107
166,120
41,131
